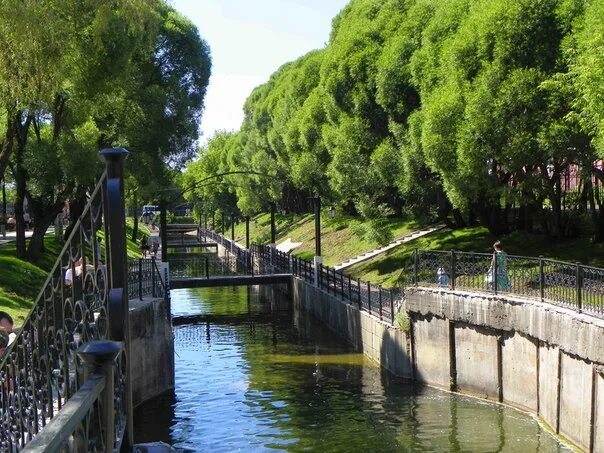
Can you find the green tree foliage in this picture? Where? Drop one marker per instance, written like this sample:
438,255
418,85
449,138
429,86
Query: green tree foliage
461,109
79,75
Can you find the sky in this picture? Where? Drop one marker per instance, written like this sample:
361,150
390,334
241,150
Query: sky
249,40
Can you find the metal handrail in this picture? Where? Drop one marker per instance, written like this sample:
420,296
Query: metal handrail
572,285
39,372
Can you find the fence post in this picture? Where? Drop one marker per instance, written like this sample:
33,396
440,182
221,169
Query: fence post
453,265
360,299
369,297
140,278
415,267
579,275
391,307
207,263
99,357
541,279
495,272
114,212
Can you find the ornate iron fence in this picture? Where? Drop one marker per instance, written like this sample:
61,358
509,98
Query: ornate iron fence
374,299
571,285
82,300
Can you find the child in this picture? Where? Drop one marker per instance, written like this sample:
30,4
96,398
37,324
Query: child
442,278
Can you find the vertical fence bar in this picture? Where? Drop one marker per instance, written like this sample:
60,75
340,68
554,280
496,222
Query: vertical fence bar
391,307
541,279
380,299
369,297
153,267
207,265
140,278
360,299
453,265
579,285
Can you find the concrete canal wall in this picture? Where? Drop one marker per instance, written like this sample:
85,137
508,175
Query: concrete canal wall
151,349
534,356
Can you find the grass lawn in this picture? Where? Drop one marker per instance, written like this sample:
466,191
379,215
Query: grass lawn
21,281
339,241
386,268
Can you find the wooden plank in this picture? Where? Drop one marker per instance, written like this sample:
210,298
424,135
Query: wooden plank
52,437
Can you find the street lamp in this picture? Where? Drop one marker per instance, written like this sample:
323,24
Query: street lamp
317,259
273,229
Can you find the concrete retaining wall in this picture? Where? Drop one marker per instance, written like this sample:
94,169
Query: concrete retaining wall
388,346
528,354
534,356
151,349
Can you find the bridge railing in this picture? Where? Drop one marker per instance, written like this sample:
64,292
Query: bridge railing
374,299
144,279
242,259
571,285
83,299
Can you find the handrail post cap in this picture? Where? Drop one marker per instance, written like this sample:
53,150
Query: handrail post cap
99,351
113,153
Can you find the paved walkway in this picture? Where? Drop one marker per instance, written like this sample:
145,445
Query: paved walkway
368,255
12,236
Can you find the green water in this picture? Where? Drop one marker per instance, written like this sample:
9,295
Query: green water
251,377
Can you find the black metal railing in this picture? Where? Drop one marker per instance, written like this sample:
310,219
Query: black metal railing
374,299
567,284
144,279
83,300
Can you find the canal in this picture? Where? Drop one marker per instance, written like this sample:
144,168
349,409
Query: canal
254,375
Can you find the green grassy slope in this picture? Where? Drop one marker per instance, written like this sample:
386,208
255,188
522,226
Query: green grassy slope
340,237
21,281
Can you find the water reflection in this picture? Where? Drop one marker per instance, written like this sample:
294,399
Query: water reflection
251,377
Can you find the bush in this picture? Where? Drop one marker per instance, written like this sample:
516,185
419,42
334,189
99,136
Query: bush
402,321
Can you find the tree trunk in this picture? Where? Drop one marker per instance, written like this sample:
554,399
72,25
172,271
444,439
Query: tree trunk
76,208
20,197
599,225
44,216
7,143
36,247
491,216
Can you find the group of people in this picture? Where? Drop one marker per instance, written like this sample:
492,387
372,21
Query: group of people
496,276
7,336
152,249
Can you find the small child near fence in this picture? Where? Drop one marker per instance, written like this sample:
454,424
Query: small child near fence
442,278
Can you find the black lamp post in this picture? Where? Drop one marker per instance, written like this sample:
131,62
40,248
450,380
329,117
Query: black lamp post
317,203
247,232
273,230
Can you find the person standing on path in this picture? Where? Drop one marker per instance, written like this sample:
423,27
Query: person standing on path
499,261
